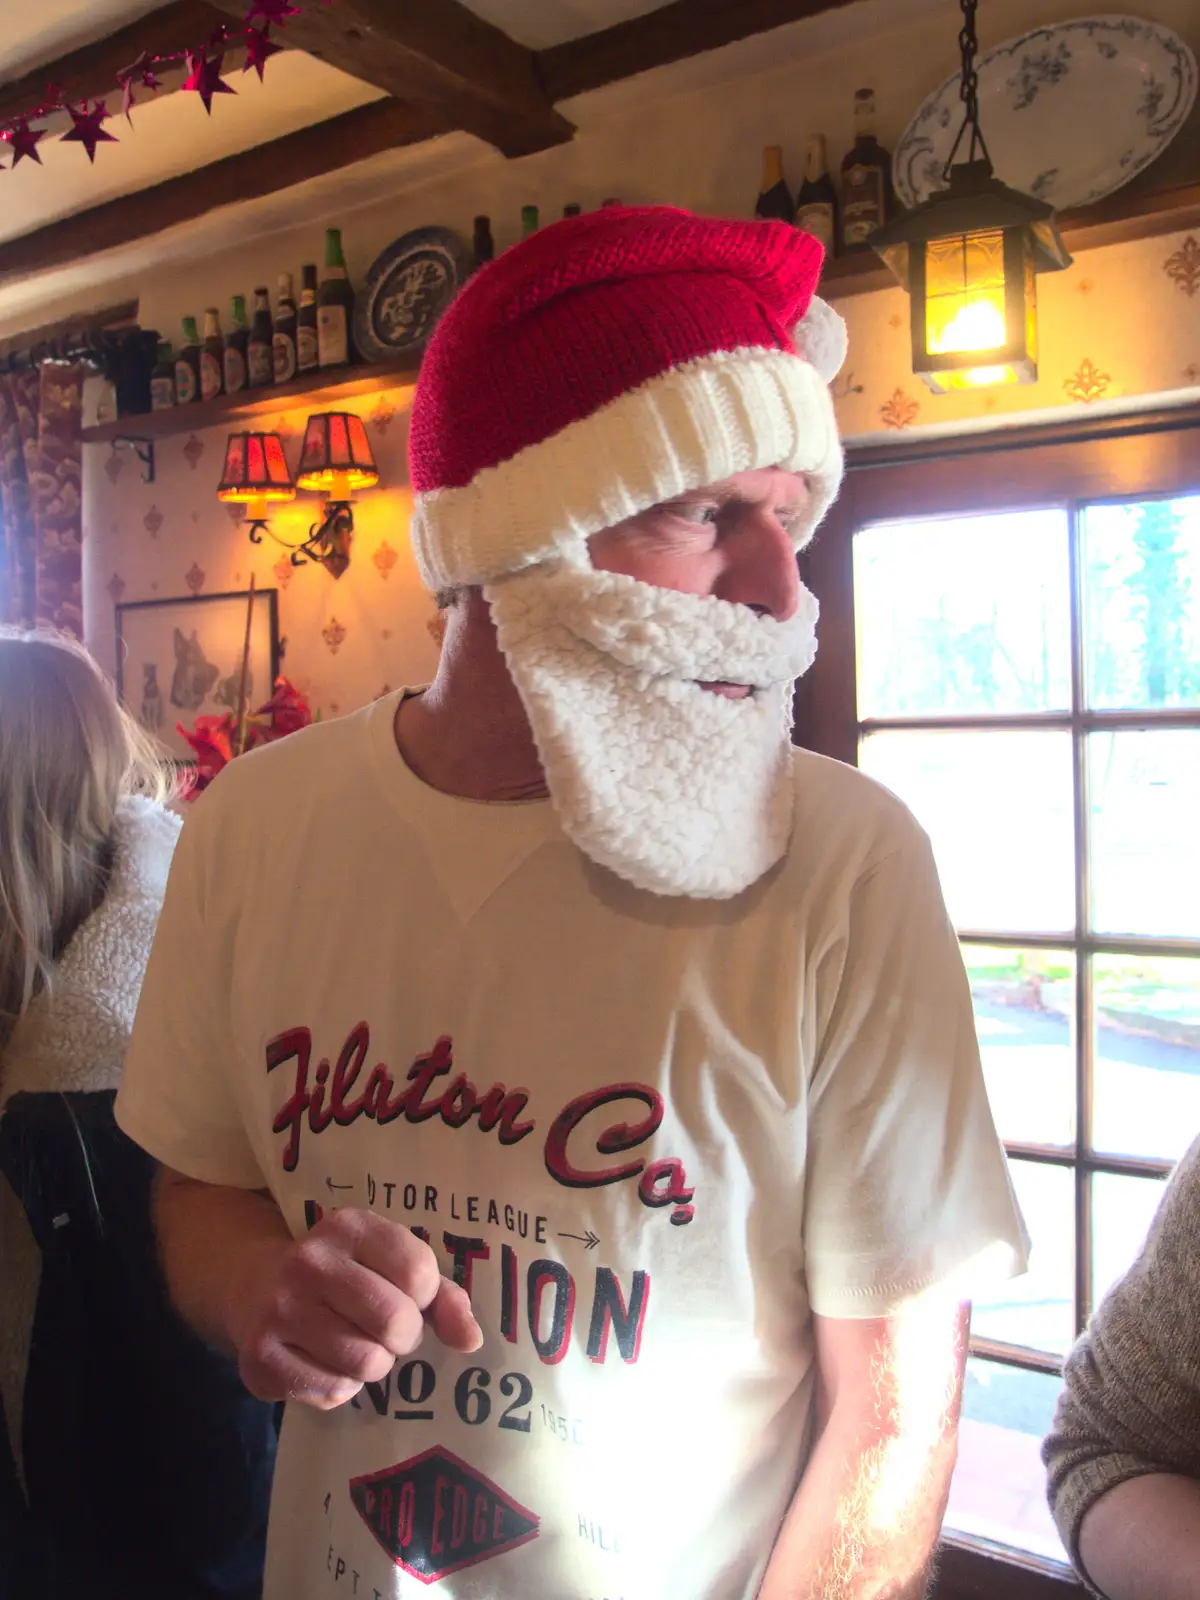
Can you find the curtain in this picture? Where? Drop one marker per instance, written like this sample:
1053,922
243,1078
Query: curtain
41,562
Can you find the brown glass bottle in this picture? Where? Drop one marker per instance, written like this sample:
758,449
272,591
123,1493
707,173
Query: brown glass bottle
162,379
816,202
774,201
212,356
308,354
483,246
284,339
237,342
260,354
867,196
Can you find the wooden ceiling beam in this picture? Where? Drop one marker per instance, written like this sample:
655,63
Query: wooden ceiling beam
437,54
91,71
308,153
672,33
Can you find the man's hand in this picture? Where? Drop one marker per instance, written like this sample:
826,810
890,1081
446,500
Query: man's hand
313,1319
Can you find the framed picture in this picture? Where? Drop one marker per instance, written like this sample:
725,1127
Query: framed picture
181,659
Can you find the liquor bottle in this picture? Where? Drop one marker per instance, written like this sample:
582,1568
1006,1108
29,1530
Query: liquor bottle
604,204
483,246
774,197
335,305
260,354
308,356
816,201
867,198
529,221
187,365
572,210
285,331
162,379
236,346
212,356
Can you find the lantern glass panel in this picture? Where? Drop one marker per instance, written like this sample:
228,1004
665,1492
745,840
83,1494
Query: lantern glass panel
965,294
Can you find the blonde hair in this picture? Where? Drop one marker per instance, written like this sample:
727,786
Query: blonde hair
69,754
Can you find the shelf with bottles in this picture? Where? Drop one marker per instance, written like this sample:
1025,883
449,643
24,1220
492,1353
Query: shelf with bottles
318,390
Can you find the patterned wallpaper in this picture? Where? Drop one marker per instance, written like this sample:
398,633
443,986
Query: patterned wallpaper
1122,323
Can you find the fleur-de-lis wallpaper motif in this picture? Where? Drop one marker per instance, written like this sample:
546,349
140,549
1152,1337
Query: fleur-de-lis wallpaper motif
193,450
382,415
1192,372
114,466
235,511
283,570
385,558
116,588
1182,266
194,578
153,521
334,635
1087,382
901,411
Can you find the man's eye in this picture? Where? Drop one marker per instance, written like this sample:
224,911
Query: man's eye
707,515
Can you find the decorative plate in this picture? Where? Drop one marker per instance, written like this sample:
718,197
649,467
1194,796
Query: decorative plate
407,289
1069,112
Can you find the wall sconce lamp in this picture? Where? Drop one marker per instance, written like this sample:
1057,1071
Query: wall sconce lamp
335,461
969,258
256,475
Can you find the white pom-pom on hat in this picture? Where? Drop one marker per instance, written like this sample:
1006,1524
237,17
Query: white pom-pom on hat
821,338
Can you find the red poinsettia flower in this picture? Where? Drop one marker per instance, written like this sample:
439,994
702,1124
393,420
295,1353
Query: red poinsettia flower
287,711
212,740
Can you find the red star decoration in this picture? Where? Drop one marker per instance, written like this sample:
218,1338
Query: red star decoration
85,127
204,76
24,140
142,71
259,49
272,11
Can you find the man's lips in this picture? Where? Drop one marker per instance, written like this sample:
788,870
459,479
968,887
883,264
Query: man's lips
731,691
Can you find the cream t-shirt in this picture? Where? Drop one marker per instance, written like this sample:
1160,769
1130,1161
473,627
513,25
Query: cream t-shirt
650,1136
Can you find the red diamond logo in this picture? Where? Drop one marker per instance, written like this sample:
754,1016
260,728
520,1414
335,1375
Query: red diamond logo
434,1514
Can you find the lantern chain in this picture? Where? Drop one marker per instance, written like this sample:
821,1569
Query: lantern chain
968,91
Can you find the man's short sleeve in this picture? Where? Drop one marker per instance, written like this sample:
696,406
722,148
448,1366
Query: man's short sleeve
907,1184
177,1097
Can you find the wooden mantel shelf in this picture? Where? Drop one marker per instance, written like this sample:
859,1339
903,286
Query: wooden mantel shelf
239,408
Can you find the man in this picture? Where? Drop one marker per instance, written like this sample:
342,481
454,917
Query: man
632,1046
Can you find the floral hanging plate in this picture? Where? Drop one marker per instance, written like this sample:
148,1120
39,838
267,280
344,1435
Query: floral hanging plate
406,291
1070,112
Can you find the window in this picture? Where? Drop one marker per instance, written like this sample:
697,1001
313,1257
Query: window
1018,657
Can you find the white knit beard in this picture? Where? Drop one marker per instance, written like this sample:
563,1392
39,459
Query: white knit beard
676,789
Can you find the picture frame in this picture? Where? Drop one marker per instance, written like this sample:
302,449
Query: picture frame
180,658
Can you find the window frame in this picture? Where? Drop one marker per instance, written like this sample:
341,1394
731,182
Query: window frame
1081,460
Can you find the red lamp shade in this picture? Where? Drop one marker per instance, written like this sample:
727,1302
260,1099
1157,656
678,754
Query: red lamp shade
256,470
337,455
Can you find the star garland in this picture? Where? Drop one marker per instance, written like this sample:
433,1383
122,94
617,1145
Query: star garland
202,61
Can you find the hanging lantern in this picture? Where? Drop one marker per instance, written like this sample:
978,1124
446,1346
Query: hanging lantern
969,257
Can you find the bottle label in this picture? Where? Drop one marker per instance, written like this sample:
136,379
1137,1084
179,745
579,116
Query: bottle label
162,394
308,353
235,369
332,343
862,204
285,358
210,375
817,219
261,365
185,383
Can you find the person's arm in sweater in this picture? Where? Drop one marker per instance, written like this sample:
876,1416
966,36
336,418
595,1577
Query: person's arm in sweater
1124,1452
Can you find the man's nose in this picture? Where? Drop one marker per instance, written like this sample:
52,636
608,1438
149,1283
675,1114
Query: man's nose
762,572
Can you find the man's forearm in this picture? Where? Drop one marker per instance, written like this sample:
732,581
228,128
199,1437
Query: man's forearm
1141,1540
213,1242
865,1519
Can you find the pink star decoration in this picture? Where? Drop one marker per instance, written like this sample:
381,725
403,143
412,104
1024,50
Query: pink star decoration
259,49
142,72
24,140
85,127
272,11
204,76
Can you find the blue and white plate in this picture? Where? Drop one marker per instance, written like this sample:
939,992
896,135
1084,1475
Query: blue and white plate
1070,112
406,291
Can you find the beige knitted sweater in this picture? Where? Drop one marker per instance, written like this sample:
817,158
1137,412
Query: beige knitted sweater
1131,1402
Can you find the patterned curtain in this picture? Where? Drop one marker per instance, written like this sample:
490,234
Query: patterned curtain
41,569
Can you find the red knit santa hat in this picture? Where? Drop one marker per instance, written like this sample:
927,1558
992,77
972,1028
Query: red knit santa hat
609,363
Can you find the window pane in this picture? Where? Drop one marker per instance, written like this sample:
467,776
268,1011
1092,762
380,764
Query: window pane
1141,566
1038,1310
1025,1018
1145,846
967,615
1147,1055
998,809
1122,1211
999,1487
